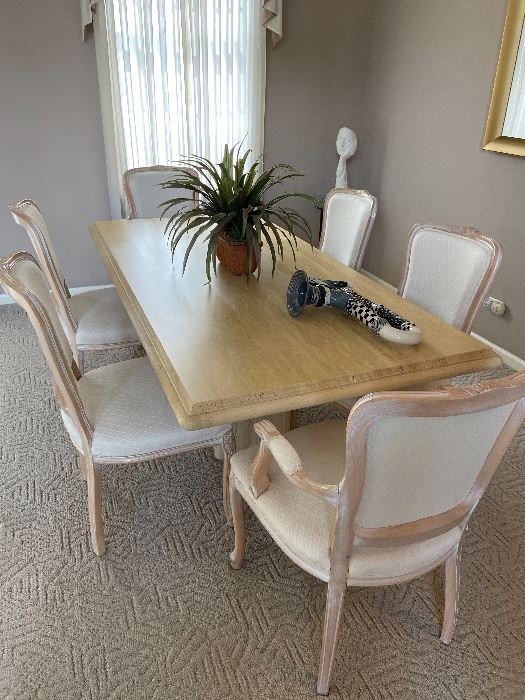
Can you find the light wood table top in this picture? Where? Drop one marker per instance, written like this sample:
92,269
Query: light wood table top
228,351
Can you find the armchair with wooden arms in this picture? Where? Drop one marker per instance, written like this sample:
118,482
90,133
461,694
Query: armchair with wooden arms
382,498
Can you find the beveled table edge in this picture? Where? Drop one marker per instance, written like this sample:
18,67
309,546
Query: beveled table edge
256,409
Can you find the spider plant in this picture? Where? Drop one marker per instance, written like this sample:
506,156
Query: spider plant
231,200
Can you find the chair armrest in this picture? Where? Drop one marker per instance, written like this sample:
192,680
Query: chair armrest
275,445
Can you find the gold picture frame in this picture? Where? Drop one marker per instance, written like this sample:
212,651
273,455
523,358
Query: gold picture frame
493,139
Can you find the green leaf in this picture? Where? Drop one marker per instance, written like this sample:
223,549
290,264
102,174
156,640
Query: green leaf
249,253
278,232
257,249
230,197
262,232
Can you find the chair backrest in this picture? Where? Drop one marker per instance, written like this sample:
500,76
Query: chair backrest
143,191
348,218
449,270
418,462
22,278
27,214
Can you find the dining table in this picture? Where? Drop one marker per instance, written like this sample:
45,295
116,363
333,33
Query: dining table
227,351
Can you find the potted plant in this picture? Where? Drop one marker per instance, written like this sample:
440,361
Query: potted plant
227,207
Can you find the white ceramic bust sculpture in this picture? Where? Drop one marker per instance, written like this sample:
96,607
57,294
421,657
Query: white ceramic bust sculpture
346,145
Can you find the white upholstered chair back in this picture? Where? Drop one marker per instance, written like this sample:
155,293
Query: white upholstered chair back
144,193
427,457
449,270
419,467
23,280
348,219
27,214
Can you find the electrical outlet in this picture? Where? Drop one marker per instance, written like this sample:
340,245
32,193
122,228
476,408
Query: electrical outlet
495,306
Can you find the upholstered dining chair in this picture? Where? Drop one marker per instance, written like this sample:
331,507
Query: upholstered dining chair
448,271
348,218
94,320
382,498
114,414
143,191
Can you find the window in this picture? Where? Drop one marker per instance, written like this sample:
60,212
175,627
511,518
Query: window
185,76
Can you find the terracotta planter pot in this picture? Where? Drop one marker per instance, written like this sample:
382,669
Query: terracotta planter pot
233,255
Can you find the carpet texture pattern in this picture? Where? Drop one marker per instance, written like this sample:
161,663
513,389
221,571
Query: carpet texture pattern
163,616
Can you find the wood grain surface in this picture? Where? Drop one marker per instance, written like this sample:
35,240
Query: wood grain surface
228,351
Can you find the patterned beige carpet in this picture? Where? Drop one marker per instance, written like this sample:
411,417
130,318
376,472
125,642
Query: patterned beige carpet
163,616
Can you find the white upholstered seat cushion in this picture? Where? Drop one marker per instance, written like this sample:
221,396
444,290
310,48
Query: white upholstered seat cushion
300,523
101,319
130,414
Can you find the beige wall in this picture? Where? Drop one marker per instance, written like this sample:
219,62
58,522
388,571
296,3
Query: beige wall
430,74
51,145
315,84
425,66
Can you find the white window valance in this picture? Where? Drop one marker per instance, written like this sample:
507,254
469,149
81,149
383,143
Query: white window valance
87,8
273,19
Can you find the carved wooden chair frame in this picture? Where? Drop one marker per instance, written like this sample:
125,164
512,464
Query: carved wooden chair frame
346,495
361,194
470,233
48,263
65,375
148,169
59,289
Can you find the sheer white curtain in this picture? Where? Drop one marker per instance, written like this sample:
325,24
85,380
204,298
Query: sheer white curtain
183,77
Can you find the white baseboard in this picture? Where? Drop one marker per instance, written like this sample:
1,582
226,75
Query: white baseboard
378,280
6,299
508,358
78,290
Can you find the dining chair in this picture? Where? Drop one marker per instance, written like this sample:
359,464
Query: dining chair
115,414
348,218
382,498
448,271
94,320
143,191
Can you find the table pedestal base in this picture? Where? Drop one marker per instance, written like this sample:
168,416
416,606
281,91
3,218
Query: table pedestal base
245,435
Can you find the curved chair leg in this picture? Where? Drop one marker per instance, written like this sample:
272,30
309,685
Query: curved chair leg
237,506
96,523
82,466
228,446
226,489
451,596
334,603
